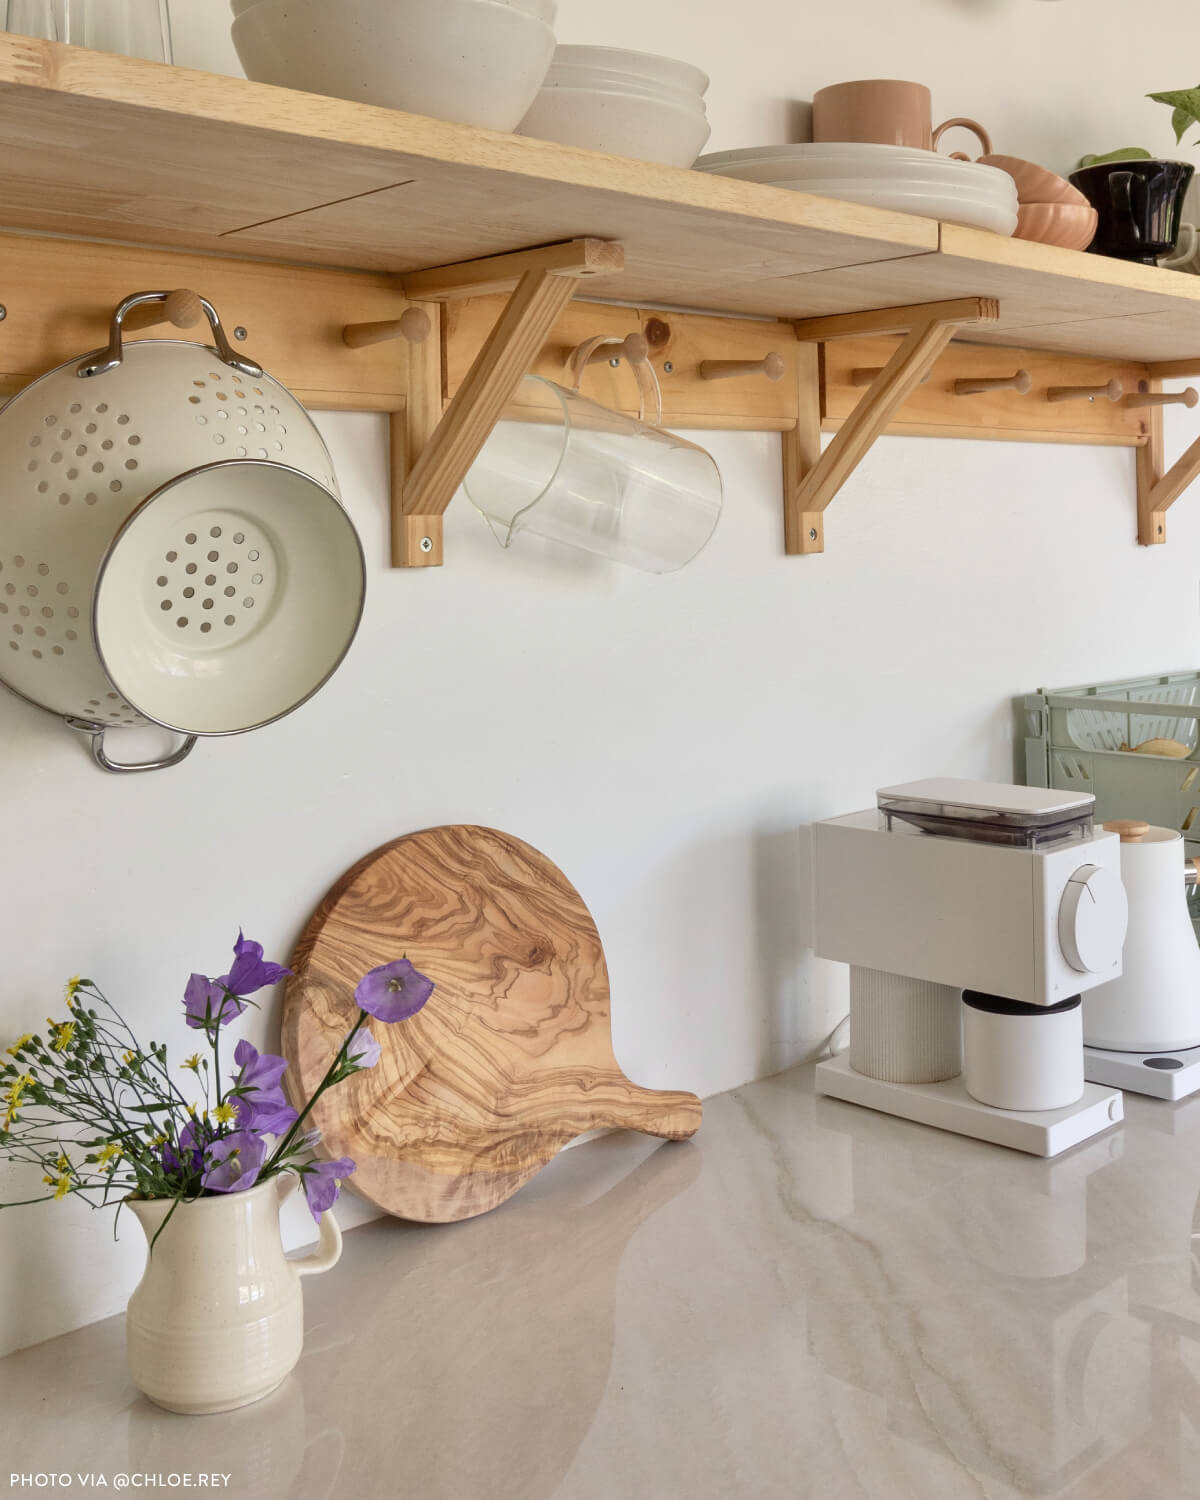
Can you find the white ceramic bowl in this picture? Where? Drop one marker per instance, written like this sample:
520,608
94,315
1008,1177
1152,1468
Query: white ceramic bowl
614,65
623,124
480,62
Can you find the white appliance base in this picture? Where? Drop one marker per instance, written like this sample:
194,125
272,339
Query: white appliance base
1163,1075
948,1106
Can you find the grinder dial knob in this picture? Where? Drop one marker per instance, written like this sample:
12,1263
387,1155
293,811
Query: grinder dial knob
1092,919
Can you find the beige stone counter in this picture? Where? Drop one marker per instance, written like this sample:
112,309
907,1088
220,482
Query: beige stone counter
807,1300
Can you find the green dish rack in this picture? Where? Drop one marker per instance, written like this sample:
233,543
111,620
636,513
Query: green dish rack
1073,738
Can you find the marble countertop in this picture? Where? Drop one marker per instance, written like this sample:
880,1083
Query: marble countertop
807,1300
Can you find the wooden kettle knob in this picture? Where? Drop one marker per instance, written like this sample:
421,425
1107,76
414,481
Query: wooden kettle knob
1130,830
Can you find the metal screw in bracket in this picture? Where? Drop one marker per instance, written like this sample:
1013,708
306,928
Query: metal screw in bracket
668,368
812,533
615,363
426,544
3,312
240,333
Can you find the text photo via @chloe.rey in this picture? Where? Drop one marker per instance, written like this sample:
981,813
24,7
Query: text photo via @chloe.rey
217,1319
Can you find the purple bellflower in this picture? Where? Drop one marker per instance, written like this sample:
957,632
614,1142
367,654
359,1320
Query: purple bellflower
210,1003
261,1104
251,972
321,1183
207,1005
393,992
234,1162
363,1051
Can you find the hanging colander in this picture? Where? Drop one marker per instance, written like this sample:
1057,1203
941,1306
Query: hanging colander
173,549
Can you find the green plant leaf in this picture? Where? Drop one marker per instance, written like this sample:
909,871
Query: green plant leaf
1127,153
1185,106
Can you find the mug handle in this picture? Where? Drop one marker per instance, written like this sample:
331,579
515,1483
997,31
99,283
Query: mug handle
1120,195
985,140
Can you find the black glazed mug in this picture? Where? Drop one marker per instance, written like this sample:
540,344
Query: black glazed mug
1140,204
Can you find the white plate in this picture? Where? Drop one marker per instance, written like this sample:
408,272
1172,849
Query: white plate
892,177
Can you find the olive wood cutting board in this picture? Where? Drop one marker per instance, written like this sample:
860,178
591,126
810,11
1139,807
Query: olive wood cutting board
511,1057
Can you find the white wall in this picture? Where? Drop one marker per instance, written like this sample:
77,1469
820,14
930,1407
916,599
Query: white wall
660,738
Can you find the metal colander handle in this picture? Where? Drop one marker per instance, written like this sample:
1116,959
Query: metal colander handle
111,358
96,733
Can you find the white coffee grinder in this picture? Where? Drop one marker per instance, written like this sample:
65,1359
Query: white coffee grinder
973,917
1142,1031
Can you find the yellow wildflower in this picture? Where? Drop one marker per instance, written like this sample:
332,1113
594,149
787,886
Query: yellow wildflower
129,1057
108,1157
13,1097
72,985
62,1032
62,1163
21,1041
158,1140
61,1185
226,1113
192,1062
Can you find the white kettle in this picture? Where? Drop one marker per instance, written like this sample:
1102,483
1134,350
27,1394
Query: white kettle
1155,1005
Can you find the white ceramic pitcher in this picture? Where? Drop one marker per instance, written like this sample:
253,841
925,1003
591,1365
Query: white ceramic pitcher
217,1320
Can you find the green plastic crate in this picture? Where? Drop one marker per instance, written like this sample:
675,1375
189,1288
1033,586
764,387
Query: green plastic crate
1072,742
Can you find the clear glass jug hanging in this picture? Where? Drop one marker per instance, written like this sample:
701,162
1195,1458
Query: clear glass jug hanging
136,28
32,18
596,479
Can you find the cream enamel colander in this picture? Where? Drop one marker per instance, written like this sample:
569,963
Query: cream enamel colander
173,549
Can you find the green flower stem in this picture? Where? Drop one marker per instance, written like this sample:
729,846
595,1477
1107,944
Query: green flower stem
281,1151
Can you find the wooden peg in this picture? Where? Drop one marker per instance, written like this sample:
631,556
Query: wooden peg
1021,382
1110,392
182,309
634,349
772,366
1145,397
413,325
866,375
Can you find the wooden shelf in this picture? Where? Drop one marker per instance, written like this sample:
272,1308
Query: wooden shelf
114,148
373,211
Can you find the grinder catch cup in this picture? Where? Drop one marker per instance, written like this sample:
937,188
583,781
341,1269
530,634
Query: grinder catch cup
174,551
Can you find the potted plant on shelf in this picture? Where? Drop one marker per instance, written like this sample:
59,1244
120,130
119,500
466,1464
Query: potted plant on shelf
217,1319
1139,197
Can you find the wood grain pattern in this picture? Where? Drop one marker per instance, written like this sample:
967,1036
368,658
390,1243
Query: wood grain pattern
932,408
510,1059
213,163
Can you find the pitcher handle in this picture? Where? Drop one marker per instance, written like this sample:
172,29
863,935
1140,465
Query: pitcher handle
328,1251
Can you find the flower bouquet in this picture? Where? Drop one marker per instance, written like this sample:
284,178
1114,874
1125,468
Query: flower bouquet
106,1119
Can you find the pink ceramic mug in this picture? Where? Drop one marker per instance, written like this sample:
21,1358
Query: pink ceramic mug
884,112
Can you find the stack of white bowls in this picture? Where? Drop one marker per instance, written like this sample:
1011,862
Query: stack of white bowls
625,103
480,62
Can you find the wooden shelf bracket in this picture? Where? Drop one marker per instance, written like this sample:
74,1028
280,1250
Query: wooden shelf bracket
1156,491
433,450
812,479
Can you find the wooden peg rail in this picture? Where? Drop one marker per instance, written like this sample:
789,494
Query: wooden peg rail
444,352
1021,382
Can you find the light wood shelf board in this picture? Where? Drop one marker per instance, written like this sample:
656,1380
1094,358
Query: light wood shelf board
138,150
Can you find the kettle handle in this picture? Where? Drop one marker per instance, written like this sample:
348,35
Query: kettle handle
110,358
